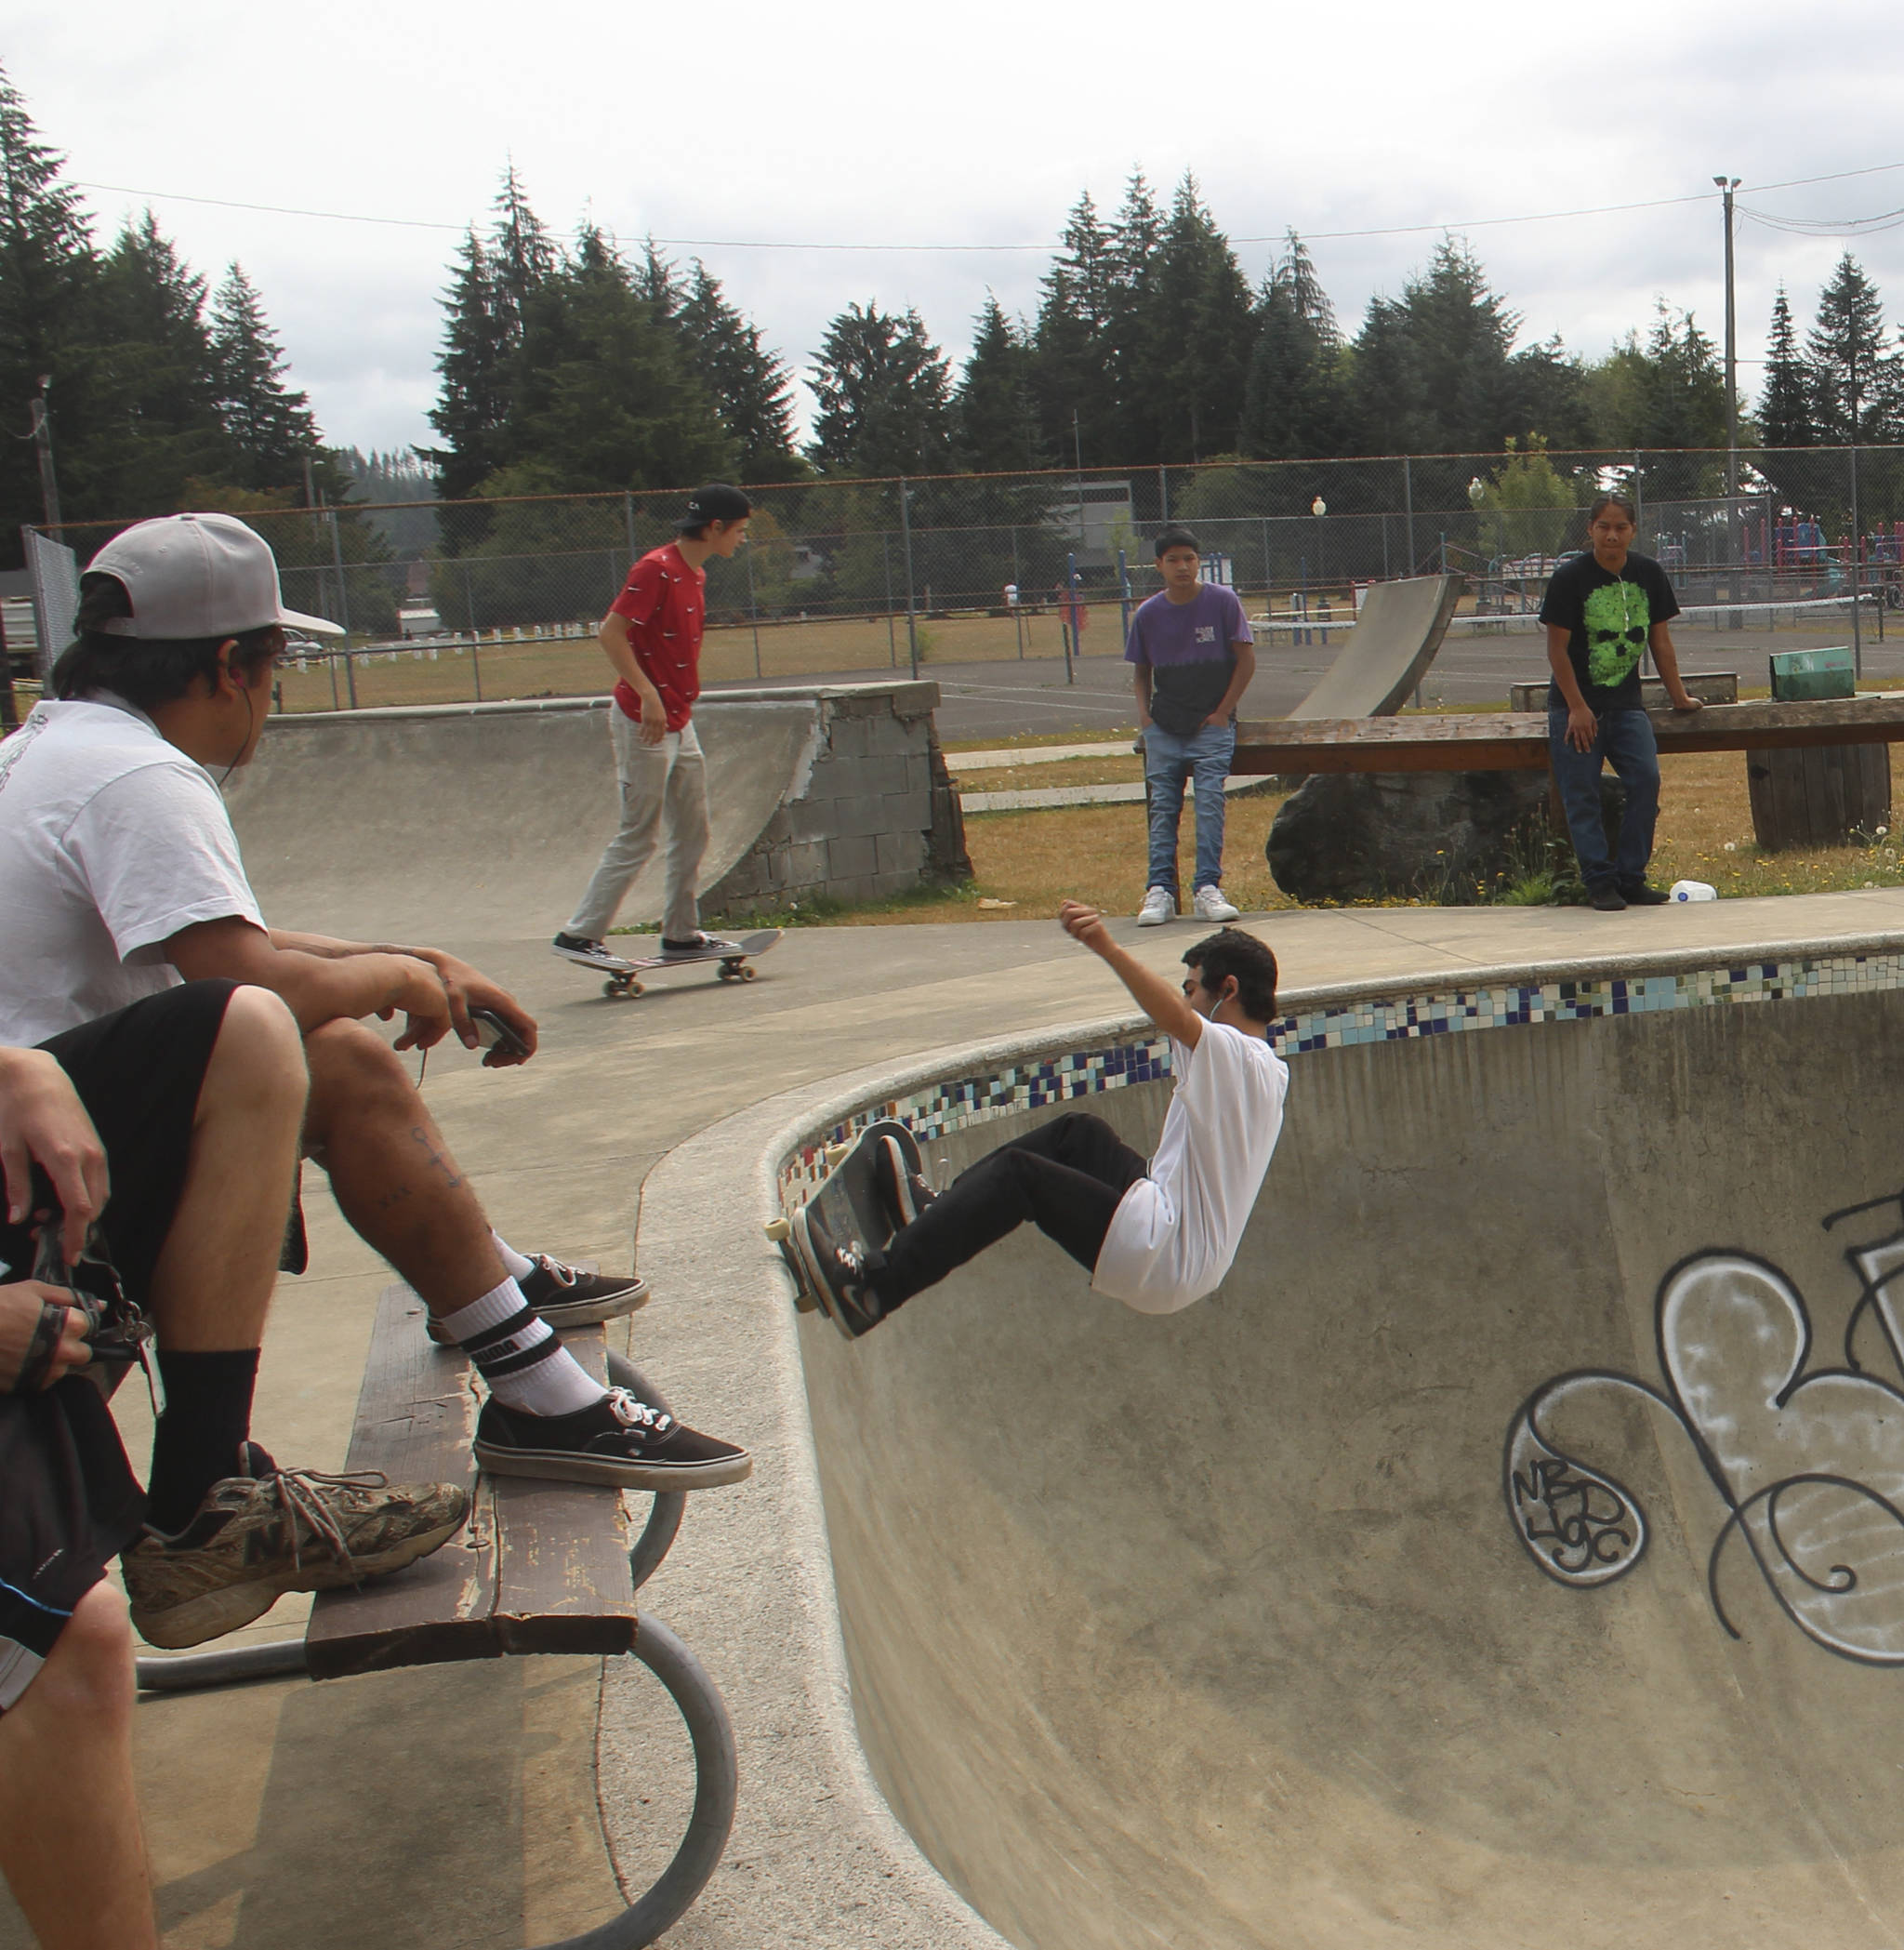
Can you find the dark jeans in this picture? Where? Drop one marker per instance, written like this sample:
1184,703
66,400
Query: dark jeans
1625,741
1066,1178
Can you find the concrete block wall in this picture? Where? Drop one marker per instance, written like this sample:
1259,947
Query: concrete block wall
875,816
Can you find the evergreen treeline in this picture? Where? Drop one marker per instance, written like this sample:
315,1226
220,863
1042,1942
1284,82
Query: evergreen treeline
162,393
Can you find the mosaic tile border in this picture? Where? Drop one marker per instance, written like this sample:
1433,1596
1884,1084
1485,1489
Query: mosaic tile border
943,1107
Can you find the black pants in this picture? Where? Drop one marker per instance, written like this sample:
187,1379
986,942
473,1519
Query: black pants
1066,1178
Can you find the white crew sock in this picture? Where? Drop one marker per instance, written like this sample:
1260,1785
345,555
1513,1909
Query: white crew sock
516,1264
517,1355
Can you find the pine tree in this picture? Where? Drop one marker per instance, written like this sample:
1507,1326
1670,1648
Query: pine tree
1140,353
522,256
1198,312
993,420
48,268
1855,375
476,364
751,387
157,375
1295,405
1295,273
1073,384
1786,408
269,424
884,396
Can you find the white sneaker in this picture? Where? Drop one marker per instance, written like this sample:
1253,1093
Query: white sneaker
1211,906
1159,905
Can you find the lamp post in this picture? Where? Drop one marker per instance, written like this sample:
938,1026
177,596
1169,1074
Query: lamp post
1318,508
1727,184
43,447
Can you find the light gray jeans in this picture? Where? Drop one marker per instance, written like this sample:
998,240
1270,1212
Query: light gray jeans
664,797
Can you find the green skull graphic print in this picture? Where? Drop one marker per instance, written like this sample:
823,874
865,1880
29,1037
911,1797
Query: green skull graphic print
1617,617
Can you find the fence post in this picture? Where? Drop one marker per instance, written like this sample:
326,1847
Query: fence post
344,608
1018,606
1070,615
627,518
886,556
1163,491
753,611
905,534
1408,506
1856,552
475,634
1123,597
1639,499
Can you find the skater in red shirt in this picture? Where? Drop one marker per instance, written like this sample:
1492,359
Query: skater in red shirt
652,636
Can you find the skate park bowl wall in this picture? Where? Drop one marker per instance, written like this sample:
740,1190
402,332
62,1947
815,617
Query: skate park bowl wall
483,822
1509,1553
1398,630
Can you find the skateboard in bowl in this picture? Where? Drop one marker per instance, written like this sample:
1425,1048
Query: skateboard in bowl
852,1205
735,958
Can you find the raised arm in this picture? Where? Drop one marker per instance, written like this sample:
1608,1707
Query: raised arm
1153,993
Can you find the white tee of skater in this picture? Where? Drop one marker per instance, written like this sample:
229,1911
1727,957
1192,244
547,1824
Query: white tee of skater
1175,1233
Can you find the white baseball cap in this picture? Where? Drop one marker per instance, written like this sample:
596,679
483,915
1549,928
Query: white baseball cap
197,575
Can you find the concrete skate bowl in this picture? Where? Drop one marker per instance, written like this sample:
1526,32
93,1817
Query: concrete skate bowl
1474,1568
481,822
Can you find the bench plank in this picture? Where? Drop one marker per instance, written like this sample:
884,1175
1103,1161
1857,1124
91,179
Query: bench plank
1516,741
539,1567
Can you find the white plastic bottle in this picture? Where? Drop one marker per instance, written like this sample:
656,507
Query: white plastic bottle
1692,890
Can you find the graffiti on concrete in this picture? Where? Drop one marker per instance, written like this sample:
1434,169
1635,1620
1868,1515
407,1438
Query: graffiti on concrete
1808,1463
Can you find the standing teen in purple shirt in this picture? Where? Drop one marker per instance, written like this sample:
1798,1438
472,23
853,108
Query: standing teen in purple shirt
1193,656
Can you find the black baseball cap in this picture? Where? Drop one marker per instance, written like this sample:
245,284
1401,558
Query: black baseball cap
715,501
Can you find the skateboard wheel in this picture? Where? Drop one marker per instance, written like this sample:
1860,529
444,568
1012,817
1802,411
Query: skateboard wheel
746,975
778,1229
837,1155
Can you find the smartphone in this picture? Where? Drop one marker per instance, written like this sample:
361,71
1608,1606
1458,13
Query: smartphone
494,1033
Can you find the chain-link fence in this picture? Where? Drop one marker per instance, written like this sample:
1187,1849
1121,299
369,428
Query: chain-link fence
500,598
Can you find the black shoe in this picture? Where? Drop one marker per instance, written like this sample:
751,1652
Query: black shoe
699,944
902,1186
565,1296
616,1440
1643,895
1608,900
590,954
840,1273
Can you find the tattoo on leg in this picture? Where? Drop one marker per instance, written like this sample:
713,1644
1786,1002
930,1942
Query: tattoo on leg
438,1162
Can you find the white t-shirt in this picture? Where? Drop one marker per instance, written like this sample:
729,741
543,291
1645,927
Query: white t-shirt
110,840
1174,1233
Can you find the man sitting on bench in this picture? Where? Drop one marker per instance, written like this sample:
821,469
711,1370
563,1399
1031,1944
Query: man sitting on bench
120,875
173,1125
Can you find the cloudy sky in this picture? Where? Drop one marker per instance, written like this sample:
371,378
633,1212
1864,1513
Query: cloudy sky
756,135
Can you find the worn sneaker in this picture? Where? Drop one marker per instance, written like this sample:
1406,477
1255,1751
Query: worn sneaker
1211,906
619,1441
902,1186
699,944
256,1537
590,954
1159,905
840,1272
1608,900
1643,895
565,1296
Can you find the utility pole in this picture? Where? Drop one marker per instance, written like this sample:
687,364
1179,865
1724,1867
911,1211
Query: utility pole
1727,184
43,446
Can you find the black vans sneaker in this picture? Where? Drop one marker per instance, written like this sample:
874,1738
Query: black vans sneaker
617,1441
565,1296
902,1185
1606,900
840,1272
590,954
1641,895
699,945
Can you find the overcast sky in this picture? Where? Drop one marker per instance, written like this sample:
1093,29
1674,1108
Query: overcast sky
977,125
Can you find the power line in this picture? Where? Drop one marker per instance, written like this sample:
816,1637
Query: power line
1395,229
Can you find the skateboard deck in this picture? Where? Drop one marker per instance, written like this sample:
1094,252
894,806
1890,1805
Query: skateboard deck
849,1201
733,956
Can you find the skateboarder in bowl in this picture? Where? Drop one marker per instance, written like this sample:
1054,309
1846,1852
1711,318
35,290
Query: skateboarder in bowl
1156,1233
652,636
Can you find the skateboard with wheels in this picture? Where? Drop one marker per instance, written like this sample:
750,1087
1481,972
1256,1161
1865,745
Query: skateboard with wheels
851,1204
734,957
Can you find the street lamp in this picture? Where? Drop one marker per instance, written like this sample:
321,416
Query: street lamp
1727,185
1318,508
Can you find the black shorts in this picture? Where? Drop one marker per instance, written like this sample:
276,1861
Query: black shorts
69,1501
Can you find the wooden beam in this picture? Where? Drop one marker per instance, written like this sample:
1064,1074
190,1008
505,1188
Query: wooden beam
1516,741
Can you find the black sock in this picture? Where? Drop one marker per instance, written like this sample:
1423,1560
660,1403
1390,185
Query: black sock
196,1442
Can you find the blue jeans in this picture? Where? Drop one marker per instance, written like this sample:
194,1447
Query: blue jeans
1625,741
1169,763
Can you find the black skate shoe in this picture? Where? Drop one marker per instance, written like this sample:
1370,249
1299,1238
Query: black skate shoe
840,1275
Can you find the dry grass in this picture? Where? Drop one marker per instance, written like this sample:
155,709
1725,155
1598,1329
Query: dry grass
1113,769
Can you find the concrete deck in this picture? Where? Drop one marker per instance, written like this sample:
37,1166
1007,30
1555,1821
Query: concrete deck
460,1806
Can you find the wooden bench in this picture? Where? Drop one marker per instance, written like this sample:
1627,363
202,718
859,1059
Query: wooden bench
1516,741
539,1567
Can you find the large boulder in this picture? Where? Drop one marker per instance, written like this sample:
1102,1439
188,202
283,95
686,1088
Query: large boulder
1445,836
